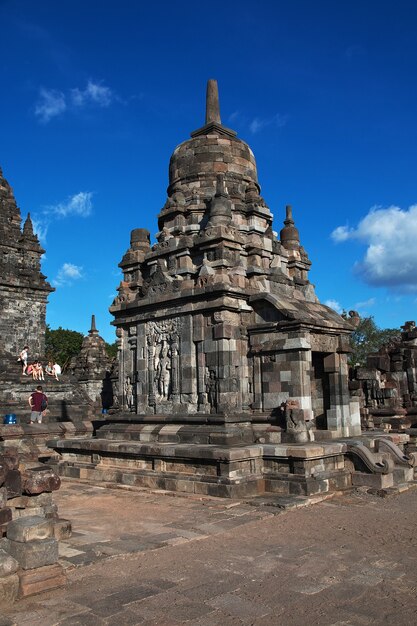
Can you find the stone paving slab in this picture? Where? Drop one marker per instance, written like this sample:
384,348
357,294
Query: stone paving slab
346,561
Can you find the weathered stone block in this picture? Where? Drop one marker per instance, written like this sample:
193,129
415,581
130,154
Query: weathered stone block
34,553
13,483
5,515
10,459
9,587
41,579
8,565
18,513
377,481
26,502
3,497
50,511
62,529
36,480
366,374
30,529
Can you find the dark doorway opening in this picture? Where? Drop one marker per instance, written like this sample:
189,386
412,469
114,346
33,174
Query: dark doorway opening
320,390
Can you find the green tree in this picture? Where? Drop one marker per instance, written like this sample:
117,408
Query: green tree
62,344
111,349
368,338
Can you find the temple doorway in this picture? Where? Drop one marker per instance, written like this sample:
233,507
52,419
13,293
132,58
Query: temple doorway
320,390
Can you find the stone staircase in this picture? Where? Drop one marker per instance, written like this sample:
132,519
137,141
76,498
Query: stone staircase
380,461
66,400
70,412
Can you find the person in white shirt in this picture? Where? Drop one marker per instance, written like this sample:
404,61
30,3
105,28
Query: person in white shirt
23,358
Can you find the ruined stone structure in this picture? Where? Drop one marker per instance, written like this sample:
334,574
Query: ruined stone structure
29,528
91,367
23,299
23,288
387,385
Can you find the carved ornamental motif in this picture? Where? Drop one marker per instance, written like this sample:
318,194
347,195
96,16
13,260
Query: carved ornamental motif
163,350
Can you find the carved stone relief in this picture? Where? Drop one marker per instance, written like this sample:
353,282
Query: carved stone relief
163,348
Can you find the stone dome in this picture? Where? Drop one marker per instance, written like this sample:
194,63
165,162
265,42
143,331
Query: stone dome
212,150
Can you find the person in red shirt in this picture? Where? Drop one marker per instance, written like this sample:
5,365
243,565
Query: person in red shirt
38,403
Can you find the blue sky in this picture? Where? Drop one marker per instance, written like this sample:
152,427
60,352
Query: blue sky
97,94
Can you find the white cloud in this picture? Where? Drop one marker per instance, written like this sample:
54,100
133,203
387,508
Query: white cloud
233,117
341,233
94,93
258,124
40,228
365,304
390,235
333,304
67,274
51,104
78,204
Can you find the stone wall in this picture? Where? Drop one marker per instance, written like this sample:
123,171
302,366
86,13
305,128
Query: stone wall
22,321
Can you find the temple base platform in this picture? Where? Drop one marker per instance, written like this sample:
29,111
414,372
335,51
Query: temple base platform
229,457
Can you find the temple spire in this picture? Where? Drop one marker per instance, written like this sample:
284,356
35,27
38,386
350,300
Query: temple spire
289,235
213,124
212,102
93,330
28,228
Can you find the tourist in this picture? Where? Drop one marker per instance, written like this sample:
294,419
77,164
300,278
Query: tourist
31,370
56,369
38,403
23,358
48,369
53,369
38,371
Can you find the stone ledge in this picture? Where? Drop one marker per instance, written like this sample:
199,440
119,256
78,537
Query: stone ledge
179,451
304,451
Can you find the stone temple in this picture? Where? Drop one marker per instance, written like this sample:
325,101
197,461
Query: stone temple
233,378
219,317
23,288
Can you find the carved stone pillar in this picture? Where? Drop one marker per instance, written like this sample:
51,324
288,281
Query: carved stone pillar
200,358
339,416
257,383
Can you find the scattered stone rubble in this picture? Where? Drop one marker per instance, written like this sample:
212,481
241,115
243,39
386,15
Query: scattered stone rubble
30,528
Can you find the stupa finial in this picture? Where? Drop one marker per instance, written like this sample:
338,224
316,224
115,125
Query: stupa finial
93,330
212,102
28,228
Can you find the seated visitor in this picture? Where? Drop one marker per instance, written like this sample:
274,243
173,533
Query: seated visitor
49,369
56,370
39,371
53,369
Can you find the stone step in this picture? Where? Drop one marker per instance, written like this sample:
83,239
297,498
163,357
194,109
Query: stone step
375,481
403,474
41,579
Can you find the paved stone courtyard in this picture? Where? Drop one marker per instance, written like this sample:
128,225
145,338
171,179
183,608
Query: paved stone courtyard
138,557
